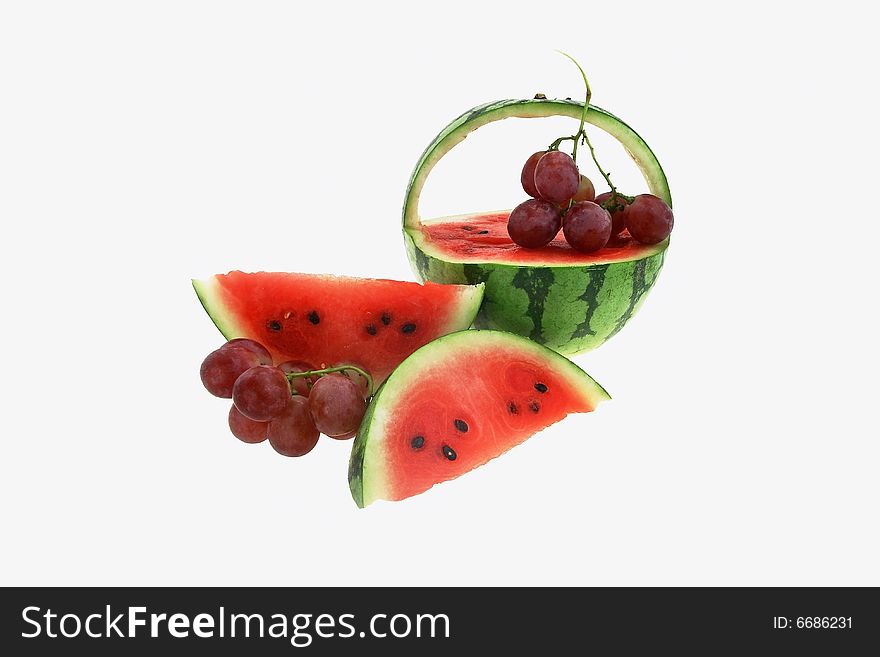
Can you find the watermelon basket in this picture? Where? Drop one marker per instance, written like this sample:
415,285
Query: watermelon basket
569,301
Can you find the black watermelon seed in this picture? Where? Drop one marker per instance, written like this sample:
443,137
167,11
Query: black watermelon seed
371,329
386,319
467,227
274,325
418,442
513,408
534,406
313,317
483,232
449,453
408,328
540,387
461,425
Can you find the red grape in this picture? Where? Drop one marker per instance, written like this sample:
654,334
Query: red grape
246,429
261,393
293,433
585,192
587,226
527,177
337,405
251,345
222,367
617,210
300,385
534,223
648,219
556,177
359,380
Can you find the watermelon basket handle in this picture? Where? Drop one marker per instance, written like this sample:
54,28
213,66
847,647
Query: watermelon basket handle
454,133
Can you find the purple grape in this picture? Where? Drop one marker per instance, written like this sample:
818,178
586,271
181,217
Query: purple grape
261,393
293,432
337,405
300,385
251,345
527,177
534,223
617,210
556,177
648,219
246,429
222,367
586,226
359,380
585,192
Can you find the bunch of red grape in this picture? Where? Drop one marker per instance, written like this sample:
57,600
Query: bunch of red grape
271,402
563,198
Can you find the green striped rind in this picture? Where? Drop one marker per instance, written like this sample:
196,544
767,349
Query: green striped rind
570,309
367,469
358,453
481,115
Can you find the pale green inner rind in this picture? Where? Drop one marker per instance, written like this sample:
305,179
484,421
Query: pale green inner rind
469,302
367,474
455,133
209,293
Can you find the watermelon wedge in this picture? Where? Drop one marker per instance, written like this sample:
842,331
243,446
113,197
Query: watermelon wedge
455,404
331,320
569,301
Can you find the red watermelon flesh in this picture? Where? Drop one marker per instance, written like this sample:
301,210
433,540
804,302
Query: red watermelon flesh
329,320
483,238
458,403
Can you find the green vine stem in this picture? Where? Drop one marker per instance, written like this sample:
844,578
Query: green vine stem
330,370
589,95
581,136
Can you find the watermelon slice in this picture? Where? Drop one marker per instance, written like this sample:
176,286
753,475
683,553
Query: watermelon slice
455,404
330,320
569,301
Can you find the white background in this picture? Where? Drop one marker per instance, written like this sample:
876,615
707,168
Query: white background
145,143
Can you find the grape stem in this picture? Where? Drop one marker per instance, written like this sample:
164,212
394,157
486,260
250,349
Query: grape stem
581,135
330,370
